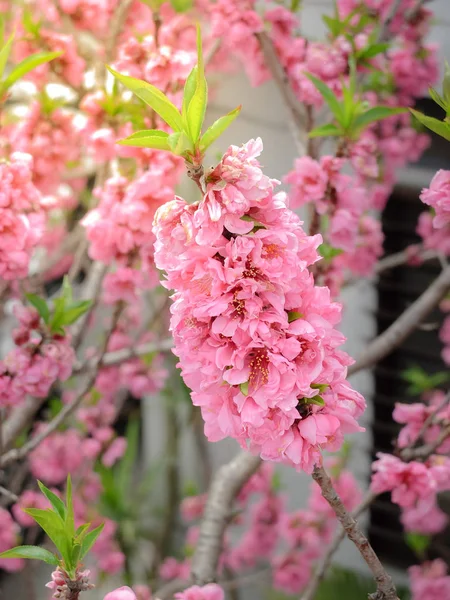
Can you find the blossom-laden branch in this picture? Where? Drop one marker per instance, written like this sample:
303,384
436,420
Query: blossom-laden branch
408,321
16,454
225,486
385,586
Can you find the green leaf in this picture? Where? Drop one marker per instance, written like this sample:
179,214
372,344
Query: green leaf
181,6
440,127
70,519
81,532
147,138
276,482
334,25
125,468
217,128
320,386
26,65
152,97
73,312
373,50
438,99
244,388
197,106
329,96
188,93
418,542
55,528
90,540
179,143
76,551
318,400
420,381
377,113
293,315
40,305
328,252
5,52
56,502
34,552
325,130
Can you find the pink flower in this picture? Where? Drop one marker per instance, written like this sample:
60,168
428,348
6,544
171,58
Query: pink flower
408,482
211,591
438,197
430,581
308,182
122,593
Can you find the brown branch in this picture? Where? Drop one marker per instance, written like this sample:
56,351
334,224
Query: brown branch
19,419
296,114
400,258
119,356
91,291
385,586
224,488
339,537
425,451
408,321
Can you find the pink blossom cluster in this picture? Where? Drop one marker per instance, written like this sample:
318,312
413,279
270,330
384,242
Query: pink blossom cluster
21,216
9,534
430,581
414,485
255,336
438,197
39,359
53,141
119,230
291,542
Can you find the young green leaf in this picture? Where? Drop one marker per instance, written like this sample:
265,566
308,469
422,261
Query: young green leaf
418,542
74,311
40,305
125,468
147,138
327,130
440,127
329,96
5,52
153,97
317,400
377,113
26,65
217,128
244,388
373,50
55,528
188,93
179,143
293,315
197,106
327,252
439,99
181,6
35,552
56,502
70,518
89,540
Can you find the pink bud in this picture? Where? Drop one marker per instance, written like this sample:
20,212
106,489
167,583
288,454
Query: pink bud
122,593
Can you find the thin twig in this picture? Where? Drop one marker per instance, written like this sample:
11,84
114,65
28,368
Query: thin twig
224,488
8,494
91,291
400,258
296,114
339,537
119,356
408,321
423,452
385,586
384,31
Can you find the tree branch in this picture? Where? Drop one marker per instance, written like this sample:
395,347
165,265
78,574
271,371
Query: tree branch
339,537
19,453
385,586
296,114
394,335
224,488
